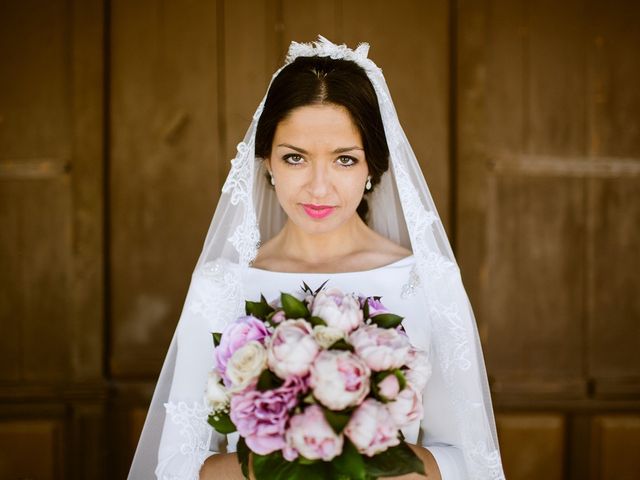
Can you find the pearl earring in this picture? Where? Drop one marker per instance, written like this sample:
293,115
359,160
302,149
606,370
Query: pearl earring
368,184
273,182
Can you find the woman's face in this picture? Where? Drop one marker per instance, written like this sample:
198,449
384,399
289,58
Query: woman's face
319,167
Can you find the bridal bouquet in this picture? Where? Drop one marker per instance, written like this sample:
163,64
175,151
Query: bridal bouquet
318,388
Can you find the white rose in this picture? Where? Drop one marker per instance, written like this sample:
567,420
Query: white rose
217,395
292,348
327,336
338,310
246,364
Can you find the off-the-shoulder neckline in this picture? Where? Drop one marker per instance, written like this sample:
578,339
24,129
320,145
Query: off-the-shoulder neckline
393,264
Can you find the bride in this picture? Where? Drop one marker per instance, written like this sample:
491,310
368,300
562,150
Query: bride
325,188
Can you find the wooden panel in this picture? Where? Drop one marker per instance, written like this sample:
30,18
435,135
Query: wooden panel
532,445
535,294
304,20
614,74
248,67
34,97
34,285
616,447
613,285
31,449
491,113
165,151
556,79
410,42
51,117
87,342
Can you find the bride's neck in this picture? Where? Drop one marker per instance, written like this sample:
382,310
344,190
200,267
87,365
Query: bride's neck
322,248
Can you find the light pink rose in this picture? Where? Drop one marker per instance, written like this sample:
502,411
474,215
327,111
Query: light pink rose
371,428
292,349
261,417
337,309
389,387
407,407
339,379
311,436
419,368
380,348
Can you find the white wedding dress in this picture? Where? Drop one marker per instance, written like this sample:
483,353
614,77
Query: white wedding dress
187,440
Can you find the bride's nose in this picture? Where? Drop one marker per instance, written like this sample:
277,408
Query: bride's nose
319,183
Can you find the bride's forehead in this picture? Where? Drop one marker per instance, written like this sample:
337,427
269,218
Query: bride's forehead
318,122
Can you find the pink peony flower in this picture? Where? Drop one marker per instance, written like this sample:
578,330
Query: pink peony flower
380,348
407,407
371,428
337,309
419,370
311,436
245,329
292,349
339,379
261,417
389,387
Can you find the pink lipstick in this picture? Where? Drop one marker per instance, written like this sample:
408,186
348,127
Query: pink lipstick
317,211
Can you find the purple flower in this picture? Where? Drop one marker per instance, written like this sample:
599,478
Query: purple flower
235,336
261,417
375,306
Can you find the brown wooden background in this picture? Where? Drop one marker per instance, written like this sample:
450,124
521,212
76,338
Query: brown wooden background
118,117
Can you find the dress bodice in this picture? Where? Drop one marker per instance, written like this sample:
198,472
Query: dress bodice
388,281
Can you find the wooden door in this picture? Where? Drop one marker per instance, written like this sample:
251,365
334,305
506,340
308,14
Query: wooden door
547,226
52,389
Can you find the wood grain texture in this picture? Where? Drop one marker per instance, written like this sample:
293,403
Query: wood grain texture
165,150
18,441
616,440
532,445
535,267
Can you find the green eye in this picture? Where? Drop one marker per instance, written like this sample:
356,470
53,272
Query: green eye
352,161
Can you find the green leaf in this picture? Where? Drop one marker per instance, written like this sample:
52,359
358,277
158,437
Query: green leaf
337,420
216,338
221,422
394,461
349,464
387,320
341,345
365,309
243,452
293,308
275,467
315,321
259,309
268,381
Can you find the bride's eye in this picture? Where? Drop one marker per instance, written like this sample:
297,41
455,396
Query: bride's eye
346,161
292,159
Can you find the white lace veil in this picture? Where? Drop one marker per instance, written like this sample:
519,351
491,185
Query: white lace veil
401,209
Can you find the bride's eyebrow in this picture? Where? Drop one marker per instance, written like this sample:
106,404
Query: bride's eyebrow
337,150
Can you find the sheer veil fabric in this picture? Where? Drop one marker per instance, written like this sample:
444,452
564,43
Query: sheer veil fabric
176,439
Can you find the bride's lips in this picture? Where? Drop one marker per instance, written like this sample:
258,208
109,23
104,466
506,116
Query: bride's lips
317,211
